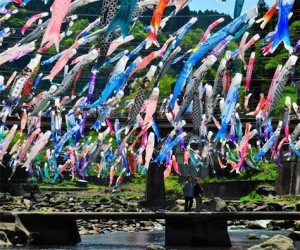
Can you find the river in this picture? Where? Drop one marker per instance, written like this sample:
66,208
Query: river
139,240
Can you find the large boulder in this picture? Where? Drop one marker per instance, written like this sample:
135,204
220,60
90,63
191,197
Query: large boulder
277,242
215,205
282,224
266,191
273,206
254,225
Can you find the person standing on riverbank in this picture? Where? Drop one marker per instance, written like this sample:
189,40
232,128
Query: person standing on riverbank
188,192
198,194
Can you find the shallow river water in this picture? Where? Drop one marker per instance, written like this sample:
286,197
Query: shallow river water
139,240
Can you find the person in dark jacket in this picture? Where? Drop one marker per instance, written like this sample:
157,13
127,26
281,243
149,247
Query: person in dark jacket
188,192
198,194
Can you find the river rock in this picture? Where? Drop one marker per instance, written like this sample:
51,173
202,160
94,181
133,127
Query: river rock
241,222
40,198
104,200
93,231
118,200
84,204
53,201
233,203
254,225
83,232
129,228
45,209
261,208
232,208
252,236
146,223
155,247
283,224
273,206
214,205
157,226
297,207
5,244
61,206
99,209
6,197
277,242
297,225
71,200
266,191
263,223
180,202
61,199
91,208
295,235
42,204
288,208
177,208
249,206
132,206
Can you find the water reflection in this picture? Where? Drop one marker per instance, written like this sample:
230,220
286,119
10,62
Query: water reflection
123,240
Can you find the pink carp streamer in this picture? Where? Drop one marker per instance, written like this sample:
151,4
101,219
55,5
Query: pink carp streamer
31,20
250,70
59,11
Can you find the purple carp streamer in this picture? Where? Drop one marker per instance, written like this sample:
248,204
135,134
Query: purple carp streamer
125,137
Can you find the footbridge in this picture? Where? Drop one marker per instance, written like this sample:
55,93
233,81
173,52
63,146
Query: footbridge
181,229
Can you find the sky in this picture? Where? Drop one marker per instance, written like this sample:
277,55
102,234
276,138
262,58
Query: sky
227,7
